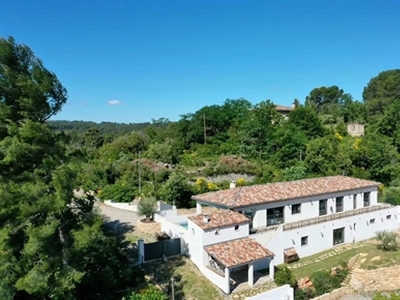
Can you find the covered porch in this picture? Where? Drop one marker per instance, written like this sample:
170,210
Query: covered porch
237,258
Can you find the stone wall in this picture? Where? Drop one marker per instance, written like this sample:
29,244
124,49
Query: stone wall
383,279
151,227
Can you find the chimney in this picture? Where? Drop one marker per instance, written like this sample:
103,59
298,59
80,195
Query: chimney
294,105
232,185
206,219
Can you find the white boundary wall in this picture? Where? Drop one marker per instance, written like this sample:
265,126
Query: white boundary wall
284,292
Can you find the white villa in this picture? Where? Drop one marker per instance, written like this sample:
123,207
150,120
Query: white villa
260,226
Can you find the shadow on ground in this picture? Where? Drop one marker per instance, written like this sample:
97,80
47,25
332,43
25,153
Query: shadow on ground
118,227
160,273
120,230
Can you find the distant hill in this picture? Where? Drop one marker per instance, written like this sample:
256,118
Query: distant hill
80,127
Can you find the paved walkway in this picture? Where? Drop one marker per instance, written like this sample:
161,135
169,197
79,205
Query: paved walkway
332,252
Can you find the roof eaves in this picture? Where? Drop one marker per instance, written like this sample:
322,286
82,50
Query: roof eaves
313,195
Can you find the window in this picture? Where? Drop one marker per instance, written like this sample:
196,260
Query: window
388,217
275,216
216,231
354,226
339,204
366,199
372,221
296,209
338,236
355,201
323,209
236,227
304,240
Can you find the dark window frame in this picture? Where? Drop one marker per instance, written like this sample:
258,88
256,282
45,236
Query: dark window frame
304,240
338,236
296,208
339,204
324,210
367,199
275,216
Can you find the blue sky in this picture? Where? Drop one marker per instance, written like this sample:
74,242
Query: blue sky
156,59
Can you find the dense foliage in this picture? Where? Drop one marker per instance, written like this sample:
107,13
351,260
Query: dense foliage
148,293
165,159
53,244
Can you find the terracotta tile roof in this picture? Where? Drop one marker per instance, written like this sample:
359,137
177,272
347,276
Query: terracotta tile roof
237,252
272,192
221,218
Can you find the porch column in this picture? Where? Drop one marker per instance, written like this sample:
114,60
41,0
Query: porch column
227,287
251,274
198,208
271,269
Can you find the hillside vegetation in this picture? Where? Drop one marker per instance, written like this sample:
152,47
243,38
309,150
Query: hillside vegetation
56,246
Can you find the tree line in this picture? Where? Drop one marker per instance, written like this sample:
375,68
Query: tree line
55,245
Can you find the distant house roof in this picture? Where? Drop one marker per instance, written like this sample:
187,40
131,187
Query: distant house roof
221,218
283,108
237,252
272,192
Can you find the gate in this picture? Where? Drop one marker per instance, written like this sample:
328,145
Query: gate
159,249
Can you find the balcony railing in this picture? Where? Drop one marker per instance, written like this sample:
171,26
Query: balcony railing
341,215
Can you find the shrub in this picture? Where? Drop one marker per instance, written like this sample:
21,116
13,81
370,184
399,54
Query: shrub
285,276
149,293
389,241
324,282
300,294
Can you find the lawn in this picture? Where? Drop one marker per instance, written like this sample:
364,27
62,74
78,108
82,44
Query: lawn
190,283
380,259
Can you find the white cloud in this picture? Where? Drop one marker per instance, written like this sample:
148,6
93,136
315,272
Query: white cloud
114,102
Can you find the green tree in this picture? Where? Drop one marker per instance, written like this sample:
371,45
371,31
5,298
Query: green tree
392,195
27,89
294,173
51,243
376,154
147,207
321,157
325,99
289,145
307,120
382,91
388,123
177,190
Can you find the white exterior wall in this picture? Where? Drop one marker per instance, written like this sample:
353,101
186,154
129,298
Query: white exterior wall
225,234
284,292
195,244
320,236
174,231
310,206
216,279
